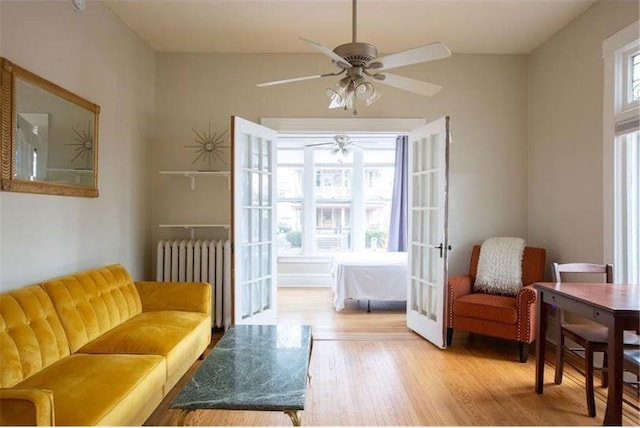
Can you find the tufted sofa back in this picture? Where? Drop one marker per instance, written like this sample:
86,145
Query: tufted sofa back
93,301
31,335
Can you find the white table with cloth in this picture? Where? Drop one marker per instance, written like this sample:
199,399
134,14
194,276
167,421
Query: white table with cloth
369,276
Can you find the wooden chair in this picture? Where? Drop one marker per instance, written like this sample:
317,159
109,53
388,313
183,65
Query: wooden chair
590,338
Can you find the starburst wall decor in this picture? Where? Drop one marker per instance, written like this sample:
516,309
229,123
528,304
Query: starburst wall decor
84,143
208,146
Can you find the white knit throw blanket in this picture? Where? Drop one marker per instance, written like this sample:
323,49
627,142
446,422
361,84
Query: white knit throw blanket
500,266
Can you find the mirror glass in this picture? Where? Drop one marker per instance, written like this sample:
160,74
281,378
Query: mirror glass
49,137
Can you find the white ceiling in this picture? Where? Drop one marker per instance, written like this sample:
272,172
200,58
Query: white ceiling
268,26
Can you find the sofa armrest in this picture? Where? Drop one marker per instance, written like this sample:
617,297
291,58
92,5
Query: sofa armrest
174,296
26,406
526,309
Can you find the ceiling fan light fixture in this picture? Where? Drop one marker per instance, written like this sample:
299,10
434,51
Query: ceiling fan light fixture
373,98
364,90
335,97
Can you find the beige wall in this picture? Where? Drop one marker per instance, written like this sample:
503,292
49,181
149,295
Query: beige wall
485,96
565,102
526,155
96,56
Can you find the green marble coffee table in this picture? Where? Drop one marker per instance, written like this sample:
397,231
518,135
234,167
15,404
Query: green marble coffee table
253,367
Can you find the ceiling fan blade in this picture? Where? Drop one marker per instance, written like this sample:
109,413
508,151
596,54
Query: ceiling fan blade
295,79
424,53
341,62
411,85
318,144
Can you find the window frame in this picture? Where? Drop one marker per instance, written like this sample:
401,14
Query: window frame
310,202
617,109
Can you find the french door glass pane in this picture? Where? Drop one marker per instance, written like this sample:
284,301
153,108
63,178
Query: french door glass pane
245,177
255,189
416,266
255,225
433,189
255,153
256,297
266,286
266,155
416,190
245,227
265,191
246,302
416,223
246,261
434,151
266,224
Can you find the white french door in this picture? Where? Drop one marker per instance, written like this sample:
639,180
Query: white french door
428,211
254,222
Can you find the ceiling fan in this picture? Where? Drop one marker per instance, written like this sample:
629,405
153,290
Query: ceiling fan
341,142
359,61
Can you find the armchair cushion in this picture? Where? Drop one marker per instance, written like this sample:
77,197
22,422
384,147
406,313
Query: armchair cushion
487,307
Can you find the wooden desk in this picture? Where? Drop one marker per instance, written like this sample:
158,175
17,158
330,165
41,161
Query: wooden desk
616,306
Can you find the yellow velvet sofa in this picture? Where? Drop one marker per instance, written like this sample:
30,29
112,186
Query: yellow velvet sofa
95,348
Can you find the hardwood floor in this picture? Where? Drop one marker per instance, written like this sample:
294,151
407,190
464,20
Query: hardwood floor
369,369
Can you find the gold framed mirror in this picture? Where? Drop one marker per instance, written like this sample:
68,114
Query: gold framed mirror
49,136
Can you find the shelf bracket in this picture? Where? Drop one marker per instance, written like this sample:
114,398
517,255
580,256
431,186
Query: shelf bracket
192,179
192,231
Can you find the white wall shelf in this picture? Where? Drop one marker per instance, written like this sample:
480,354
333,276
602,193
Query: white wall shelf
191,175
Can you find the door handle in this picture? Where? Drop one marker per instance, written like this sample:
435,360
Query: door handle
440,247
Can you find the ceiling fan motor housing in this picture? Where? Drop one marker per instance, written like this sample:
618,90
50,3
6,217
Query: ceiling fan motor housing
357,54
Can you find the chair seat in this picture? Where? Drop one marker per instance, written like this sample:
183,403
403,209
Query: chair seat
490,307
596,334
631,360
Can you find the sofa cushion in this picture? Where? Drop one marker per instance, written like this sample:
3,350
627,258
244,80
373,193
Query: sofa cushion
92,302
102,389
500,309
175,335
31,335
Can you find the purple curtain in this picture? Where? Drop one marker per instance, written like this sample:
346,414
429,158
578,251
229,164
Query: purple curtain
399,204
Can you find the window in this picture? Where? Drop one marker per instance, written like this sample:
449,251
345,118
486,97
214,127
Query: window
622,153
289,201
634,88
347,196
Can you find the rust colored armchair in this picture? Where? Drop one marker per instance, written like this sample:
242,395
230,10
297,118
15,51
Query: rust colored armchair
507,317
